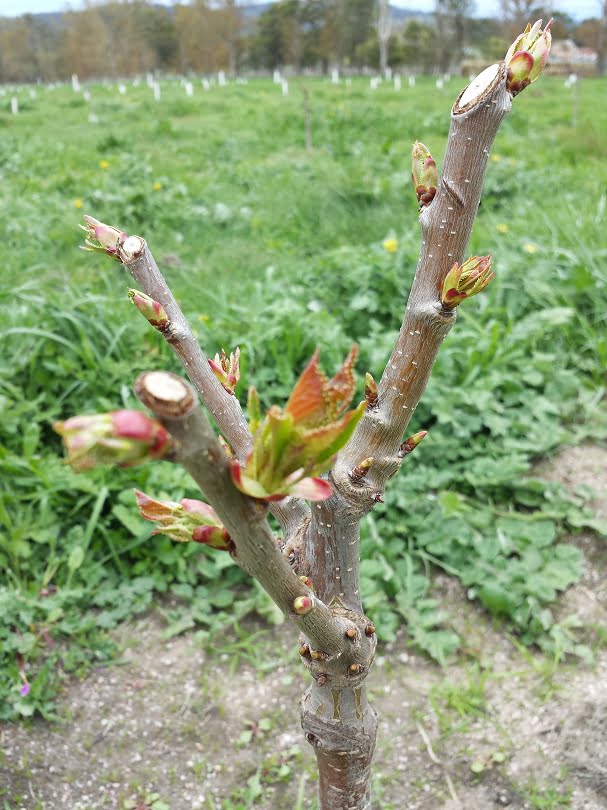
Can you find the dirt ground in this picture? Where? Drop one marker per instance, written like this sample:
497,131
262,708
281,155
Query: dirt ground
180,726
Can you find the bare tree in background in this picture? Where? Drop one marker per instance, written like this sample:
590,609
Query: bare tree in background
451,28
601,62
384,28
515,14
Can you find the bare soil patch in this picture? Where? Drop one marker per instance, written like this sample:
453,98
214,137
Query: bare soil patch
500,728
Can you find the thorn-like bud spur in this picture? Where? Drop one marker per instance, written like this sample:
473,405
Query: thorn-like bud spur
102,238
424,174
359,472
124,438
308,583
302,605
371,394
151,310
527,56
409,445
294,445
464,281
187,521
227,370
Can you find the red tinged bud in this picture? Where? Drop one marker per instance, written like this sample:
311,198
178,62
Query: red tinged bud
124,438
302,605
465,280
409,445
151,310
227,370
527,57
371,393
103,238
424,174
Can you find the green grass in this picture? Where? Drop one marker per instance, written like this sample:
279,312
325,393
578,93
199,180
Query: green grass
277,251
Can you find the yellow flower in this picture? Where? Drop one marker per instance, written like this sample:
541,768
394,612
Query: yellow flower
501,228
529,247
78,203
104,164
391,245
157,186
496,158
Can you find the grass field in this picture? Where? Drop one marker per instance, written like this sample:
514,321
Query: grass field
278,250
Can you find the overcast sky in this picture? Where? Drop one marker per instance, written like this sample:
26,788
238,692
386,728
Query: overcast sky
579,9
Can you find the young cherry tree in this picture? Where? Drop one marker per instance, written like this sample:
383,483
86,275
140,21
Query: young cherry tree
312,449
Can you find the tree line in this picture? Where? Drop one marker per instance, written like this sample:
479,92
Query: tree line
129,37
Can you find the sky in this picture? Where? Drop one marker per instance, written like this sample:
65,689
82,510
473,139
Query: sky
579,9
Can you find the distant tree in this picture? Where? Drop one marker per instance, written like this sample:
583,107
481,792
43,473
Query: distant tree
227,24
601,63
276,40
516,14
87,47
587,33
384,28
451,17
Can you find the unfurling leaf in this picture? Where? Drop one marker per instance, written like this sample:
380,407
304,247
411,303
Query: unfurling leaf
294,445
186,521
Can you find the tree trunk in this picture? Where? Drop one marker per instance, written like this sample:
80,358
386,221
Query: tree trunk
342,728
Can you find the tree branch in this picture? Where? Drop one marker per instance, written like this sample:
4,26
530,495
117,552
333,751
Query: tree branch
175,404
446,225
138,260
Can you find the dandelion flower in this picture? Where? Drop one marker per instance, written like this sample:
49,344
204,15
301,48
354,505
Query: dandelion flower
529,247
104,164
501,228
495,157
157,186
390,245
78,203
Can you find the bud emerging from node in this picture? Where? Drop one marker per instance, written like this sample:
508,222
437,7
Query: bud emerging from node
371,394
409,445
304,650
369,629
423,173
302,605
464,281
151,310
354,669
293,445
351,633
307,582
227,370
359,472
527,56
124,438
186,521
102,238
